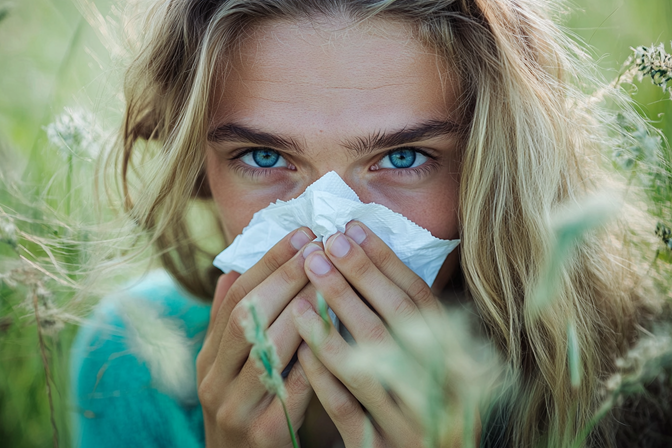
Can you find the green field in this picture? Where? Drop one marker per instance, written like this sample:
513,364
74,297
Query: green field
52,58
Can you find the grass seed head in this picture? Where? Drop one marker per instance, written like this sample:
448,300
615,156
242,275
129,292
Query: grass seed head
263,352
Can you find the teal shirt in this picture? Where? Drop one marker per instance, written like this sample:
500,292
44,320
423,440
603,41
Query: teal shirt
133,369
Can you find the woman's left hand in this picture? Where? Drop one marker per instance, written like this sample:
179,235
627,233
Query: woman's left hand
359,259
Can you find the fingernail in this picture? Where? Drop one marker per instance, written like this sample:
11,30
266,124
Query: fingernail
310,249
319,264
339,246
356,233
299,239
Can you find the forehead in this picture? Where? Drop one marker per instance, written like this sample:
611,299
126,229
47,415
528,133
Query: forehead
332,74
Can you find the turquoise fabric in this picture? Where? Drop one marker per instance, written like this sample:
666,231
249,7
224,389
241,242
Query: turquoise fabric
121,398
123,394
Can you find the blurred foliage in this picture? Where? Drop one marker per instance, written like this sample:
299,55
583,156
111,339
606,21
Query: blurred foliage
51,60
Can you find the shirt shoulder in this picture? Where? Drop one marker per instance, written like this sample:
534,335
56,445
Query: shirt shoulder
133,368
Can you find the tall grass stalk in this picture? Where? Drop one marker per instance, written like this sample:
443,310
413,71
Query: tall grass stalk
266,357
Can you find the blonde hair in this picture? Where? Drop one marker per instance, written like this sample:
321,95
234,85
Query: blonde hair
530,147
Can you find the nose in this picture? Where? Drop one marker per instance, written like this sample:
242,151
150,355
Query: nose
352,180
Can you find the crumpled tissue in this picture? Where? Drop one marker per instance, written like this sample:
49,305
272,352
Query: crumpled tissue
326,207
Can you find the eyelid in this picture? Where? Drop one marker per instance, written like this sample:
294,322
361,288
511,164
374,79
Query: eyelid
423,151
419,150
240,152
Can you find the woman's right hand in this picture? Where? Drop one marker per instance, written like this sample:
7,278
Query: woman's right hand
237,409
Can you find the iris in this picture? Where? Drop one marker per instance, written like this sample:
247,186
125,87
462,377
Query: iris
265,158
402,158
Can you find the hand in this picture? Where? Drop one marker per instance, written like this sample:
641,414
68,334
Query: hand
359,259
237,409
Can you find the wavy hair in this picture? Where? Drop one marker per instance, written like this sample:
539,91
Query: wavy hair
532,144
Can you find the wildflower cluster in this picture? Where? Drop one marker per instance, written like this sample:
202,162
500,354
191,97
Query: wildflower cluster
640,146
655,63
75,132
8,232
665,234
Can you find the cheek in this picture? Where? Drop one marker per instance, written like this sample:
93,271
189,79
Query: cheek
433,206
237,200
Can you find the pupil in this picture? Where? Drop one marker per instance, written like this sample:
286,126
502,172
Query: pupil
402,158
265,158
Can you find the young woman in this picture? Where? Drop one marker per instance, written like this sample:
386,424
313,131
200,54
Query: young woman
461,115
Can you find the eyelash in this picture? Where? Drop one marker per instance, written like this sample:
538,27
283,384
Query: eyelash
254,172
424,169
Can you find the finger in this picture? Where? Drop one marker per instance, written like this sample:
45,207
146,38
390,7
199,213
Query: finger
336,356
277,257
390,301
285,338
206,355
269,298
392,267
363,324
223,285
228,298
341,406
272,424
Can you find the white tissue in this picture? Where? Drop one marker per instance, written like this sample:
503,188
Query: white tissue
326,207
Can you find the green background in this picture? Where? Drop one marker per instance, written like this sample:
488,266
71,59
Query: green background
51,58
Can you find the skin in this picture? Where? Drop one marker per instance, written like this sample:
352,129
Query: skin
318,88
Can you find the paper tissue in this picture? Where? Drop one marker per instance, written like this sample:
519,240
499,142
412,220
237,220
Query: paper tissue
326,207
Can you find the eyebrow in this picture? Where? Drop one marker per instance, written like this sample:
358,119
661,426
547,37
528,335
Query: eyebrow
422,131
235,133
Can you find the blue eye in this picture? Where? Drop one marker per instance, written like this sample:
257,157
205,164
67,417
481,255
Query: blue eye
264,158
402,158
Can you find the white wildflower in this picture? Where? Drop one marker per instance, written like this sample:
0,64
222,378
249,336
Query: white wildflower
655,63
75,132
8,232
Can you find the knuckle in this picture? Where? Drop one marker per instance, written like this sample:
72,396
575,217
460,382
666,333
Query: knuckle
377,333
227,419
287,275
236,293
404,309
339,289
331,346
362,267
297,380
202,364
207,394
272,261
343,406
236,324
358,380
385,259
420,292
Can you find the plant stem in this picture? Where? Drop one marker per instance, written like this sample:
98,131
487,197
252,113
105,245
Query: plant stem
68,185
289,424
47,375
